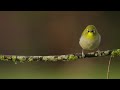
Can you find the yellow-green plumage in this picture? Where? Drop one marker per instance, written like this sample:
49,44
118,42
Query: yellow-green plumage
90,38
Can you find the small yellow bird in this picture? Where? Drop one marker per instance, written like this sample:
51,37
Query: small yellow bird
90,39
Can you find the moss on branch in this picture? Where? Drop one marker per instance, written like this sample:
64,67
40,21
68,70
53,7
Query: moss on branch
67,57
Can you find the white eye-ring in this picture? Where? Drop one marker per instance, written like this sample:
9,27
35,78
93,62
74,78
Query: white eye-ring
88,30
93,31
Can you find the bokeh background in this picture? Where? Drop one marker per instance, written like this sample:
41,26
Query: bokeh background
55,33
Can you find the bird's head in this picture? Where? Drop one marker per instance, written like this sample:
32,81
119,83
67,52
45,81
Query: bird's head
90,31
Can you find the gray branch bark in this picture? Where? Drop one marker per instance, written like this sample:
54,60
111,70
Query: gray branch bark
67,57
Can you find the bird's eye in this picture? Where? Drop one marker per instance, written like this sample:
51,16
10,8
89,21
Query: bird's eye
93,31
88,30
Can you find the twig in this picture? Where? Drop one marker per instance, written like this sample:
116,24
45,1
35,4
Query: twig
109,68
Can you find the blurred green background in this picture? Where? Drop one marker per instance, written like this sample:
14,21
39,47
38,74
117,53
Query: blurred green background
55,33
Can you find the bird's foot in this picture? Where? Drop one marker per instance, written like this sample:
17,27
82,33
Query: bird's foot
99,52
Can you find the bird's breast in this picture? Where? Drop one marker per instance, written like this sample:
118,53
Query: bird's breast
89,43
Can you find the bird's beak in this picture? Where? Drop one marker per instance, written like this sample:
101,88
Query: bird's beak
90,34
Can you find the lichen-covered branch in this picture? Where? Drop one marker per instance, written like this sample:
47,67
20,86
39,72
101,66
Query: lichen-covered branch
67,57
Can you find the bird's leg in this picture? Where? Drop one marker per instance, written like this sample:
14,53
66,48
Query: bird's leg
83,55
99,52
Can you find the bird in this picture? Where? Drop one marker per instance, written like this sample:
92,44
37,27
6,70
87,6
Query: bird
90,39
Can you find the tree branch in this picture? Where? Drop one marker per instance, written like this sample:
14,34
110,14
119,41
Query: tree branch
67,57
